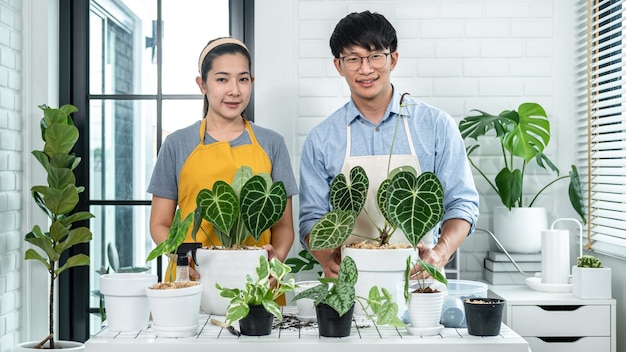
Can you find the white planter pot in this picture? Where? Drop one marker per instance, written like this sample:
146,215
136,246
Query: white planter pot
228,268
378,267
125,300
306,308
425,309
519,230
175,312
591,283
65,346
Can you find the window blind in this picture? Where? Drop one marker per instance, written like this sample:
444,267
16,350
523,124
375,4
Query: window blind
602,123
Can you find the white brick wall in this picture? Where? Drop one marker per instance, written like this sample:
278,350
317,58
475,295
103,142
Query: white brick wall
460,55
11,155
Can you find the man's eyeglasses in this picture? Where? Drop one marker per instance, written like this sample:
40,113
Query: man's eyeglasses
353,62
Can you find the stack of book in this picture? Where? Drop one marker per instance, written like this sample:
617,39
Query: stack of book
500,271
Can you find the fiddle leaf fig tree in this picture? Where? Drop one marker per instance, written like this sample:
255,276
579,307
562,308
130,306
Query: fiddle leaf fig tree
58,199
243,209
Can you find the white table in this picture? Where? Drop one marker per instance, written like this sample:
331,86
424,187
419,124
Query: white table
365,336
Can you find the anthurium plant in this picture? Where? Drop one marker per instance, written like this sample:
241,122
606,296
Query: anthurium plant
259,291
245,208
426,270
175,237
58,200
523,135
339,294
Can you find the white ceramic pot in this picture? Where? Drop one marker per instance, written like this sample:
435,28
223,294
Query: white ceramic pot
425,309
125,300
306,308
228,268
519,230
591,283
65,346
175,312
378,267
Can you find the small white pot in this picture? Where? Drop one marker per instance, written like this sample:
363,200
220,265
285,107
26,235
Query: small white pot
519,229
378,267
591,283
175,312
425,309
65,346
306,308
227,267
125,300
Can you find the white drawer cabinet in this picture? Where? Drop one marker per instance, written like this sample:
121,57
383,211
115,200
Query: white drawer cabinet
555,322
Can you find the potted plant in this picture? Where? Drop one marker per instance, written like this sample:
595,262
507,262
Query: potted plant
334,300
240,211
254,306
175,306
483,315
58,200
523,136
591,280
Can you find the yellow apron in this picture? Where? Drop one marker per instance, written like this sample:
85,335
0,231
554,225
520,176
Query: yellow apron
209,163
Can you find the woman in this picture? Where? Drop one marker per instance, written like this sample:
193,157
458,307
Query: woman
212,149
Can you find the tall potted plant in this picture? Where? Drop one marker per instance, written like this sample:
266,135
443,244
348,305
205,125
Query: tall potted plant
243,209
523,136
57,199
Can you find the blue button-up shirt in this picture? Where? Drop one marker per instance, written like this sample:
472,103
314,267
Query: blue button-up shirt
438,145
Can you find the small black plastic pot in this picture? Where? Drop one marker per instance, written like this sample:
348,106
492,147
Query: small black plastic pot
483,315
258,322
330,324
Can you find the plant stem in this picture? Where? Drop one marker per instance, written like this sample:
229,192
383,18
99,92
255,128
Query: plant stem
546,186
483,175
51,305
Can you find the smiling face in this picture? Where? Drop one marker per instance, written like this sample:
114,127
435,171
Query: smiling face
228,86
367,83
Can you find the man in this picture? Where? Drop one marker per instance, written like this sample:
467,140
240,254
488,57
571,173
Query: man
363,132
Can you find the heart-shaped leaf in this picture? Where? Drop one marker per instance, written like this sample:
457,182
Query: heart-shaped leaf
415,205
509,185
262,204
332,229
349,196
220,206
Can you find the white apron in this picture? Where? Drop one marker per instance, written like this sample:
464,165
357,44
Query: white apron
375,167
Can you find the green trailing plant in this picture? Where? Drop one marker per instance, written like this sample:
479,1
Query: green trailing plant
523,135
175,237
339,294
245,208
588,261
259,291
58,199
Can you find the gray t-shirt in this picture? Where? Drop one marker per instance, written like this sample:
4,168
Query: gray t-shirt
178,145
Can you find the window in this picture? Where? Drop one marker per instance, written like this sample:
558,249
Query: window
602,125
130,67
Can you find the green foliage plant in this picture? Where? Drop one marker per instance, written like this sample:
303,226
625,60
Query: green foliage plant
259,291
588,261
523,135
339,294
427,269
175,237
245,208
58,200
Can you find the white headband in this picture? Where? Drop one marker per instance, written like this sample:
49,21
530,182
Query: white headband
216,43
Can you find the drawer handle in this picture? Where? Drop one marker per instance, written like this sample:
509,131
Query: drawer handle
552,308
555,339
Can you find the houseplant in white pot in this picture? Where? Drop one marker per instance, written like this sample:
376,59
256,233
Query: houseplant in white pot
591,280
238,211
334,300
523,136
255,305
175,306
58,200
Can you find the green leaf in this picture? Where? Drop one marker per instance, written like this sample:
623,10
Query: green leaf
349,196
263,270
60,138
576,195
220,206
33,254
433,271
59,201
509,186
60,178
479,125
332,229
273,308
175,236
343,299
73,261
237,310
348,272
415,204
44,242
531,134
262,204
75,236
316,293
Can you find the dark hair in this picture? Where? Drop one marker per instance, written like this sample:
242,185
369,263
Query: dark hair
368,30
220,50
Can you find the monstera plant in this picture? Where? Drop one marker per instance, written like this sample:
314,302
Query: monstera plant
407,201
245,208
